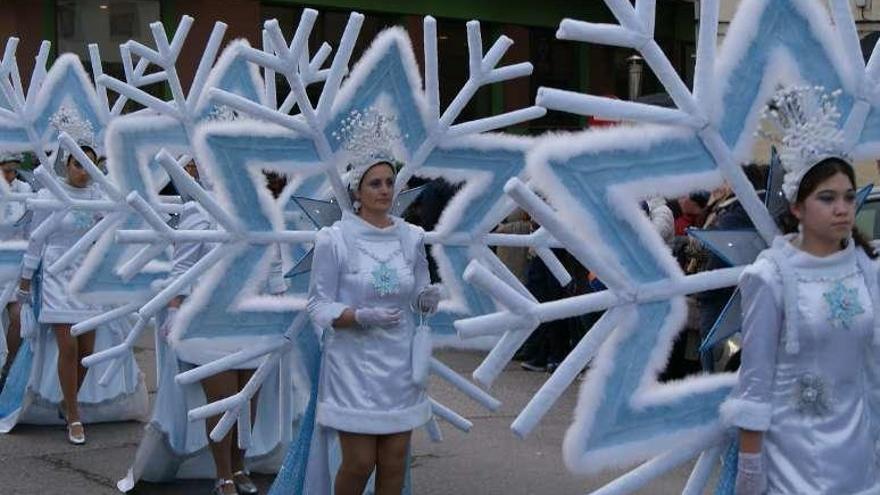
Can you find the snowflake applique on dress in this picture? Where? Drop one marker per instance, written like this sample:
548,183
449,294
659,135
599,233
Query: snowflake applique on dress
843,305
385,280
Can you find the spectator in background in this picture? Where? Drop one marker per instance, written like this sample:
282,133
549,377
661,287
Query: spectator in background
547,346
724,213
515,258
692,211
431,203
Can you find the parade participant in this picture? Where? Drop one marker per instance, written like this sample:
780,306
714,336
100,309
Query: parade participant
169,427
805,400
368,286
13,226
57,352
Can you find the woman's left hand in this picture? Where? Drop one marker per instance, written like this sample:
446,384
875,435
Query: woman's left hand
429,298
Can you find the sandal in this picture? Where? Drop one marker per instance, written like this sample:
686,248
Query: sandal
220,487
76,438
244,484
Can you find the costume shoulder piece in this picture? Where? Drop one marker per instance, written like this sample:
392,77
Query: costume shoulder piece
765,267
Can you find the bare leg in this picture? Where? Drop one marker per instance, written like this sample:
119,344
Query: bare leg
68,366
238,454
13,333
358,462
391,451
85,346
219,387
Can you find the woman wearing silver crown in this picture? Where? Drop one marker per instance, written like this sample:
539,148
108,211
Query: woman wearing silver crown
806,402
54,387
368,286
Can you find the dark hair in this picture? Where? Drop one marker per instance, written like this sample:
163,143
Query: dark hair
821,172
701,198
757,174
85,149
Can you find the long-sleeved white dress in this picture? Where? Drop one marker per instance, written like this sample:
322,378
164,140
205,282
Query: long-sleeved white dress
809,377
125,396
366,377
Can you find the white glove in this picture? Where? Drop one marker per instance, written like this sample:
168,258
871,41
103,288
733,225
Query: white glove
750,476
165,329
377,317
429,298
23,296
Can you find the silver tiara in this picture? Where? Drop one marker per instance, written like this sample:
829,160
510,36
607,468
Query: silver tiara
804,127
367,137
68,120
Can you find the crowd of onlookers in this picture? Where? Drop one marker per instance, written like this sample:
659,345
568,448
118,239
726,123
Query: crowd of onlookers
671,218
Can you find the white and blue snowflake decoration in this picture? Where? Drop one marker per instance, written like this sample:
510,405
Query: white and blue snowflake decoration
26,113
843,304
595,180
126,274
231,154
385,280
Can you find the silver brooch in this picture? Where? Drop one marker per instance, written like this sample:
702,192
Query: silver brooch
812,396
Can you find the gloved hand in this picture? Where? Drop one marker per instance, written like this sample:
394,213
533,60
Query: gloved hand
429,298
23,296
377,317
165,329
751,479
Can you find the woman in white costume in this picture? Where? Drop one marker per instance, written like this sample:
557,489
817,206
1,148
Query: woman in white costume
369,282
59,387
13,227
174,447
806,399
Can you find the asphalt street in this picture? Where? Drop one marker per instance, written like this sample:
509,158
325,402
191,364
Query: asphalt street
489,460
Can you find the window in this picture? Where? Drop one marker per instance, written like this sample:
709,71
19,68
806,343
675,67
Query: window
107,23
328,28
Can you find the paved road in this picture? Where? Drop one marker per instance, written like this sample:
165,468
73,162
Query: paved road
490,460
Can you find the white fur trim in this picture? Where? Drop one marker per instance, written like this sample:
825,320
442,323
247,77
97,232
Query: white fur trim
746,414
374,422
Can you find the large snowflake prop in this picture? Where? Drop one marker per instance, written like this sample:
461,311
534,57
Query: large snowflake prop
595,181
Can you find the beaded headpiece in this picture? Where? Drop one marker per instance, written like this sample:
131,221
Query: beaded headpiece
368,137
68,120
804,127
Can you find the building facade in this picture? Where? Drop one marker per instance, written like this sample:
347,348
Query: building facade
71,24
865,12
